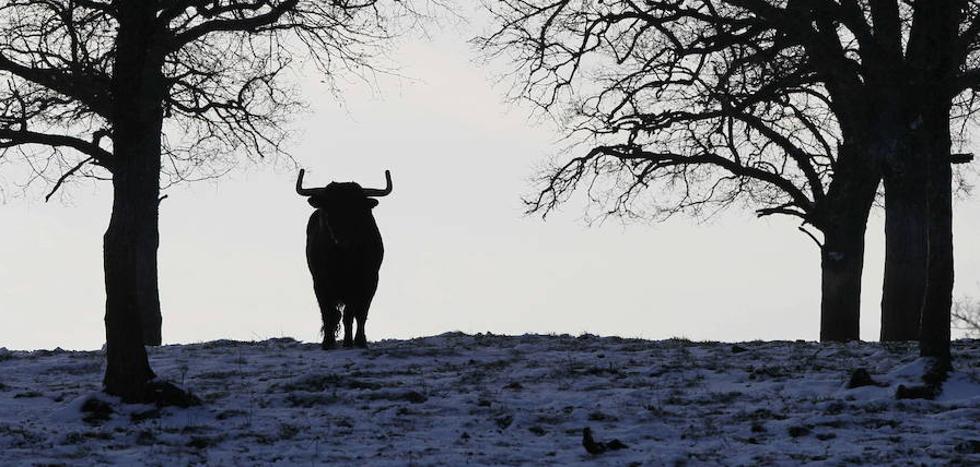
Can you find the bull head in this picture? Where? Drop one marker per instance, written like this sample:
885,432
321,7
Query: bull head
342,193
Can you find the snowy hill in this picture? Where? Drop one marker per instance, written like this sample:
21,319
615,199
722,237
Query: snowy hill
485,399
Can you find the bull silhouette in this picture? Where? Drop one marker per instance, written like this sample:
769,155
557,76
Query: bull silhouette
344,252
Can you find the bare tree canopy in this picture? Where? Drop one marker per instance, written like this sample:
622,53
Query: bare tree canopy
686,105
685,108
223,66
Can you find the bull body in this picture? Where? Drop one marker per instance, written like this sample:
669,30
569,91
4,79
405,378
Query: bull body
344,252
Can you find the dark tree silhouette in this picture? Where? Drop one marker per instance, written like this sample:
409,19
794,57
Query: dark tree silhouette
796,107
132,90
694,108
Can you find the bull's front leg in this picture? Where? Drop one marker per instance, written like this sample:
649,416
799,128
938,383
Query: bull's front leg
359,312
360,340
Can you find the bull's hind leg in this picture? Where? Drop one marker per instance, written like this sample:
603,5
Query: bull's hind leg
330,316
331,320
348,325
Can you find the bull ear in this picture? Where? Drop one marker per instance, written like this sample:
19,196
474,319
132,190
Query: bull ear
372,203
316,202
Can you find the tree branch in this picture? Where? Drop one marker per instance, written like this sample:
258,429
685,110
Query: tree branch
65,176
241,22
10,138
631,152
89,89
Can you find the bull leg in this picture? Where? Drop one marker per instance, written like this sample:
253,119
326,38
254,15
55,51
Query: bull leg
330,316
360,312
331,319
360,340
348,325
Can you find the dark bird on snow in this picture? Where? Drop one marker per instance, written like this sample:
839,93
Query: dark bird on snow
598,447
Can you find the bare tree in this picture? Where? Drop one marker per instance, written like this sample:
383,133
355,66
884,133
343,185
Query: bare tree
135,90
796,107
966,316
688,108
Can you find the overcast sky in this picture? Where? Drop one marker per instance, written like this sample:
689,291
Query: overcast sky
459,253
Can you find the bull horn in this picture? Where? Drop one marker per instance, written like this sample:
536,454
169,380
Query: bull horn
374,192
299,185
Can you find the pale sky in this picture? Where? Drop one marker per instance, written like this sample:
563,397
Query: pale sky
460,255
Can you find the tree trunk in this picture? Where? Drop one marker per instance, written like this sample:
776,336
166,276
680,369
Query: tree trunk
841,263
843,220
151,319
132,237
903,174
933,65
906,246
934,337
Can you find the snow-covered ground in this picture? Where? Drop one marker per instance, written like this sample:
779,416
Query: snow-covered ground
458,399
